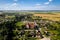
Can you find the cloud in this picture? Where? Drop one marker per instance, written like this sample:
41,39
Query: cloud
46,7
50,0
15,0
19,7
46,3
37,4
14,4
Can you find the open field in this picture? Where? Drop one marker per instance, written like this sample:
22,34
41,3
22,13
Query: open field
53,16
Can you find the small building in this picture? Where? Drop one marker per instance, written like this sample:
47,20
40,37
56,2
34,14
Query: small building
31,25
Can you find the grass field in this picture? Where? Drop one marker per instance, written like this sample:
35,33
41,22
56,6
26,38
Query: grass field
52,16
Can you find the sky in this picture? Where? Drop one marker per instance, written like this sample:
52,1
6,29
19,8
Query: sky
29,4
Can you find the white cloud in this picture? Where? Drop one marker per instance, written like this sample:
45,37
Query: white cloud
38,4
15,0
14,4
50,0
46,3
46,7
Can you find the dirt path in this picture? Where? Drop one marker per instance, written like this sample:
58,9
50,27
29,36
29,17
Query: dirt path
45,38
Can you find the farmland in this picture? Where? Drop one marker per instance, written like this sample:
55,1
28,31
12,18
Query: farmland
52,16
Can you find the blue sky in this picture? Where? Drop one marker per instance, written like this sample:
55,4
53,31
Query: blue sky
29,4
